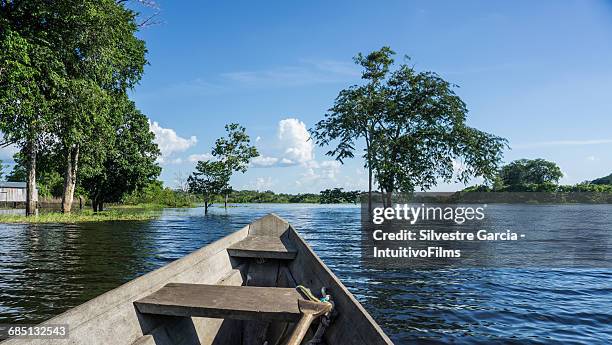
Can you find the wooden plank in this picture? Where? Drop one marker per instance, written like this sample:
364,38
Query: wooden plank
265,247
225,302
260,274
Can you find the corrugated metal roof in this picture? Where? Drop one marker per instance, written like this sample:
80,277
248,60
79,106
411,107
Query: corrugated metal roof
5,184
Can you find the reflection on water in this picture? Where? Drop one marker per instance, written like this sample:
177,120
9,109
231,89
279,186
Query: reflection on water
46,269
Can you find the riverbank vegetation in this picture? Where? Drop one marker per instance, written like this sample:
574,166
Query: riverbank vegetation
538,175
66,69
82,216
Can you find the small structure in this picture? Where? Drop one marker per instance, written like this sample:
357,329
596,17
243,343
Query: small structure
14,192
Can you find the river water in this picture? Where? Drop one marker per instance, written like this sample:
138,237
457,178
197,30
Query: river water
46,269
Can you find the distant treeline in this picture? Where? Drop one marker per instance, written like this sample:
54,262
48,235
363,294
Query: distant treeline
328,196
538,175
156,194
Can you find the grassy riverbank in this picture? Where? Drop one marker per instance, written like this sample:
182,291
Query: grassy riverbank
81,217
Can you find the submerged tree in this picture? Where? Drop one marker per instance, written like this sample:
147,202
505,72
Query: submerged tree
234,151
357,112
209,180
414,127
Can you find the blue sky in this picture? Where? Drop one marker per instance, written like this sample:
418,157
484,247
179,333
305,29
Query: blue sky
536,72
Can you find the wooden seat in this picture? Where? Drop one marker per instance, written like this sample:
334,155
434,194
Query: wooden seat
265,247
223,301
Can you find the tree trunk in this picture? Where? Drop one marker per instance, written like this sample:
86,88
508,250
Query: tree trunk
205,207
94,204
369,158
369,188
31,194
226,201
72,160
100,206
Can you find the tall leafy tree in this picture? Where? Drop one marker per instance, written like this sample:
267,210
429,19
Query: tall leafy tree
424,136
529,171
209,180
414,127
234,151
129,163
62,62
103,58
356,113
30,75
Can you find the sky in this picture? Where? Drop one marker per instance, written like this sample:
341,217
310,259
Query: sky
538,73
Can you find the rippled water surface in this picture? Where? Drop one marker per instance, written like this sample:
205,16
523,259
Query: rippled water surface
47,269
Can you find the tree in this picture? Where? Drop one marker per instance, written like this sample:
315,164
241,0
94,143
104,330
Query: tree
606,180
129,162
338,196
60,64
523,172
414,125
103,59
357,112
234,151
30,75
209,180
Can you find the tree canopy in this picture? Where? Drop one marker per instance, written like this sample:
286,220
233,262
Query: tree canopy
530,171
209,179
414,128
129,162
63,66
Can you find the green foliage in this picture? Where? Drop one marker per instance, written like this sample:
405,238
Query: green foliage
234,151
606,180
251,196
63,65
156,195
50,183
413,124
210,179
338,196
521,174
129,160
81,217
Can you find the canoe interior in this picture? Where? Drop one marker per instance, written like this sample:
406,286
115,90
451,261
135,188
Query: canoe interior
285,261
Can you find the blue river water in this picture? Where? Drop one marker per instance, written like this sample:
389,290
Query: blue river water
46,269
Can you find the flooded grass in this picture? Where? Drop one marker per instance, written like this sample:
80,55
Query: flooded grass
82,216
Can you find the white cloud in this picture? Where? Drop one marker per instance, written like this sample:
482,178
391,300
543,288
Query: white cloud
200,157
264,161
330,169
169,142
296,148
294,136
260,184
592,158
319,172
